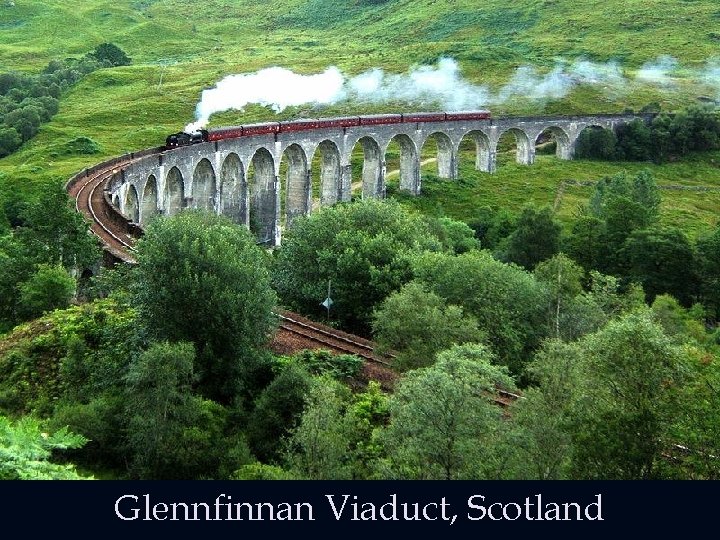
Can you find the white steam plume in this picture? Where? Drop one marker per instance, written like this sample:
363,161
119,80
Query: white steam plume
527,82
658,72
608,74
441,86
711,76
275,86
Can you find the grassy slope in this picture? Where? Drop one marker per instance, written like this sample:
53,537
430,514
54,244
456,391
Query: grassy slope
513,186
190,46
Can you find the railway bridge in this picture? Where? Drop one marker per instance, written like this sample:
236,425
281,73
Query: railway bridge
241,177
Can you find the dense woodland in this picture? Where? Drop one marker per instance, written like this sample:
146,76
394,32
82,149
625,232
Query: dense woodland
28,101
604,318
609,332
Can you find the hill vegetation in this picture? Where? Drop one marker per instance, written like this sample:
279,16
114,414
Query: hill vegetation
590,285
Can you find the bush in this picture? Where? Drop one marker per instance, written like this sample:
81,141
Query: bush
336,365
110,55
10,140
82,146
51,287
27,101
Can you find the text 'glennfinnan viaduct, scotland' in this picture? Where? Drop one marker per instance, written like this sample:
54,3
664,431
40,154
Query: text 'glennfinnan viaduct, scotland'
240,176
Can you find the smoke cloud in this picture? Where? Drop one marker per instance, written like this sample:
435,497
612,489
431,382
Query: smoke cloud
427,84
711,77
441,85
609,74
277,87
658,72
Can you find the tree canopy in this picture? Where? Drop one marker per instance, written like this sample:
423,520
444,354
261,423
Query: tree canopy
363,249
442,418
202,279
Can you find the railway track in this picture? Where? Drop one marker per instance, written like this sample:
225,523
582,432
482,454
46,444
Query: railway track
88,192
90,201
338,341
295,331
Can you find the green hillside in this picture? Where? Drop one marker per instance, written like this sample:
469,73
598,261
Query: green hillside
359,33
178,48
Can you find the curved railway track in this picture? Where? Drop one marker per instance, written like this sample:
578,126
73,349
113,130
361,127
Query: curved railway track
294,332
90,201
88,190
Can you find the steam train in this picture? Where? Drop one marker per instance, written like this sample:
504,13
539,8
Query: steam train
184,139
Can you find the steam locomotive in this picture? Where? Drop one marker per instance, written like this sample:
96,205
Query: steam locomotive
184,139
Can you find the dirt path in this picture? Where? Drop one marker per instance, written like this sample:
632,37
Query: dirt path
357,186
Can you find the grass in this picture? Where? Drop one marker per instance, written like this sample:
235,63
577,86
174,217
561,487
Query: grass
514,186
178,49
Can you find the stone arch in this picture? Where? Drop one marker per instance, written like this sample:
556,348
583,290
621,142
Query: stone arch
525,148
479,142
262,182
330,172
149,204
298,195
131,208
174,192
204,184
563,145
373,173
409,164
233,190
116,201
446,159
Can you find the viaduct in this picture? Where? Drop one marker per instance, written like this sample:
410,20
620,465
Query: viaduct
241,177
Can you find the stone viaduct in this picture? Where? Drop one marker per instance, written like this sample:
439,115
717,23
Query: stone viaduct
241,177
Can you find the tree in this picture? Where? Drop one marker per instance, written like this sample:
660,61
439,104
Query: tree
491,227
25,451
443,421
103,421
417,324
25,120
587,243
202,279
605,291
632,375
642,190
596,143
508,303
277,410
336,436
540,442
625,205
455,236
172,433
110,55
49,288
52,232
362,248
708,249
536,238
698,428
562,278
634,141
662,260
10,141
319,446
680,324
367,415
